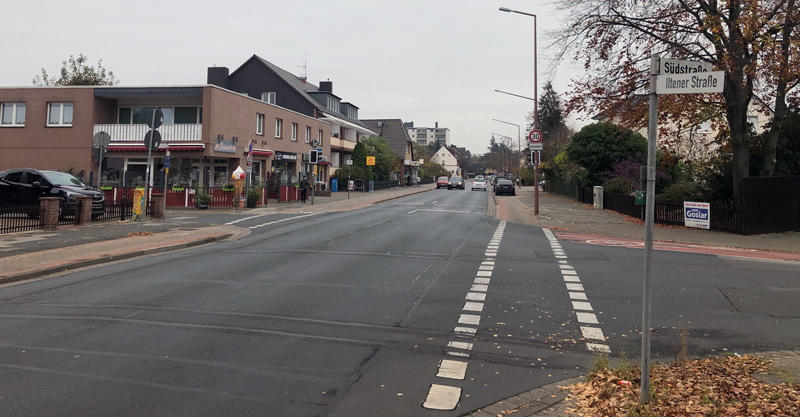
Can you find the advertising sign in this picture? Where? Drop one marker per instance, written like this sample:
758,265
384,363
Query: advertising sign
370,160
697,215
138,199
224,146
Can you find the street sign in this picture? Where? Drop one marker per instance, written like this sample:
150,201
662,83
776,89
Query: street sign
152,139
535,136
101,139
680,66
370,160
250,155
166,162
536,146
704,82
349,162
149,117
99,154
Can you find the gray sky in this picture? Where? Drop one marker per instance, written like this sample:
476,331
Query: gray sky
425,61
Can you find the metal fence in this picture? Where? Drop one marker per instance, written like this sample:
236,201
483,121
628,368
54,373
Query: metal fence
20,218
68,212
622,203
383,185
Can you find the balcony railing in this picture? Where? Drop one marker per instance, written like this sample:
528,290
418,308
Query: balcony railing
342,143
169,133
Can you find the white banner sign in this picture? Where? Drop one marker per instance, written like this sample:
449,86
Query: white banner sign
703,82
697,215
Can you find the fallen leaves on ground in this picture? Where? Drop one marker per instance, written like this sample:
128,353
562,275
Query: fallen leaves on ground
703,387
137,234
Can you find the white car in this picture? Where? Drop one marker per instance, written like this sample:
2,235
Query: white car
478,184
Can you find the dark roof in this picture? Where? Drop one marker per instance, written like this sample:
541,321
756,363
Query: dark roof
303,88
393,131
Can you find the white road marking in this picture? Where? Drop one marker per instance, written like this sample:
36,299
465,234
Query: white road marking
471,306
484,281
452,369
282,220
596,347
490,253
566,267
413,211
479,287
571,278
592,333
560,256
476,296
474,319
229,223
577,296
484,273
442,397
581,305
460,345
486,267
568,272
588,318
487,263
465,330
459,354
575,287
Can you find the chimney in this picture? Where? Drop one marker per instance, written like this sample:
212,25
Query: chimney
218,76
326,86
437,125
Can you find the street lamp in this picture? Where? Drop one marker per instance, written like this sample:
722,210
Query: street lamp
535,104
519,144
504,149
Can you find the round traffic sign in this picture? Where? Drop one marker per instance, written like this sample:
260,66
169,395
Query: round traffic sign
535,136
101,139
152,142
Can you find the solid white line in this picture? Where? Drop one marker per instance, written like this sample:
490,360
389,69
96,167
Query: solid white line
452,369
577,296
596,347
465,330
442,397
241,220
592,333
475,296
484,273
281,220
575,287
571,278
588,318
581,305
471,306
472,319
460,345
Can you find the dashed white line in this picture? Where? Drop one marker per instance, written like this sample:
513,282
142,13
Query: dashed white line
577,296
592,333
452,369
484,273
571,278
472,306
476,296
460,345
575,287
484,281
442,397
465,330
472,319
588,318
581,305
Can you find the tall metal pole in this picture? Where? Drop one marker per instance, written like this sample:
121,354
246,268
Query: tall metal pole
535,118
147,172
648,229
166,173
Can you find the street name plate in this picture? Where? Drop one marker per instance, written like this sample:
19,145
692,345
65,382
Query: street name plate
680,66
703,82
536,146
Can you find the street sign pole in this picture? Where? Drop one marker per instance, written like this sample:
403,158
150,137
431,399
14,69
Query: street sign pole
147,173
648,229
166,173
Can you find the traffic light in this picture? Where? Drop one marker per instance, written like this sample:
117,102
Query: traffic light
313,156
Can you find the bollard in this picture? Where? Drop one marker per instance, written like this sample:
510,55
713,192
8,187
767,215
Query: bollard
598,197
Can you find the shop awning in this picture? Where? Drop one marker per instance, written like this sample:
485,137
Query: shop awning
323,163
173,148
262,152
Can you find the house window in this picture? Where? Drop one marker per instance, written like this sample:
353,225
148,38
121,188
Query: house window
269,97
188,115
308,134
294,132
278,127
12,114
59,114
144,115
259,124
319,137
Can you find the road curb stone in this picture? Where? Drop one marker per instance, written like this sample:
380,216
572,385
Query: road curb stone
547,400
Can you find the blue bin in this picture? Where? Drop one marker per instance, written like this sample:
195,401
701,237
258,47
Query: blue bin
334,185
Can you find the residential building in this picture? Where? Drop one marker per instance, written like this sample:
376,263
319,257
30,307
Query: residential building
263,80
451,160
52,127
396,134
426,135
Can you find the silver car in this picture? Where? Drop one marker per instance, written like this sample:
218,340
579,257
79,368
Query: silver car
479,184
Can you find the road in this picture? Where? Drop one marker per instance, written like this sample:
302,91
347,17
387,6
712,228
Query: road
353,313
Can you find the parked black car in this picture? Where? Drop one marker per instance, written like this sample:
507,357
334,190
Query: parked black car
504,186
494,181
24,187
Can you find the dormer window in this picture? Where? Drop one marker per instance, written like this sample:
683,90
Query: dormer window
269,97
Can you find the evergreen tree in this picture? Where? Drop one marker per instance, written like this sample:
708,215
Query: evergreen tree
551,119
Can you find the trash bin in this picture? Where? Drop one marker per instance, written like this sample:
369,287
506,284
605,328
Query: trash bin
640,197
334,185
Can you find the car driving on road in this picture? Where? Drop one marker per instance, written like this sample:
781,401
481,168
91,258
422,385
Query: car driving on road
455,182
478,183
442,182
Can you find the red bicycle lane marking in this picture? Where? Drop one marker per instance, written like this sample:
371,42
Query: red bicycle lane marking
678,247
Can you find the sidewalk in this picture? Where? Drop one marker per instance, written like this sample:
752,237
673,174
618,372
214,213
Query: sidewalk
580,222
30,255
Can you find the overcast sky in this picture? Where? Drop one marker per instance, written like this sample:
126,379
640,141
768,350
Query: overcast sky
424,61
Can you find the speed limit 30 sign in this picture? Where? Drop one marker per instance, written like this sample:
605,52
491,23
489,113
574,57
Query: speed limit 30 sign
535,136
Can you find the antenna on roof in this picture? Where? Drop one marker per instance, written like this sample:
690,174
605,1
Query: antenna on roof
304,76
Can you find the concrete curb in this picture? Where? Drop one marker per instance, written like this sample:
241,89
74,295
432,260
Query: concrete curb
547,400
110,258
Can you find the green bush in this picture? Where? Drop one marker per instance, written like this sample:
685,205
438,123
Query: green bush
202,198
619,185
681,191
254,195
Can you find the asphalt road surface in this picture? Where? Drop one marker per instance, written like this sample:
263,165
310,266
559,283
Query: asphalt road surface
356,313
